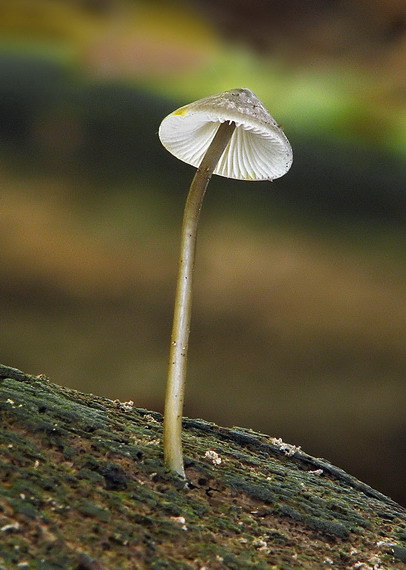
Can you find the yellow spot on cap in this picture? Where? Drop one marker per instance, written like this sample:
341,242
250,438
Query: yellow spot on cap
180,112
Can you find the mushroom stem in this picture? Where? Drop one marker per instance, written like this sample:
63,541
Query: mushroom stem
175,388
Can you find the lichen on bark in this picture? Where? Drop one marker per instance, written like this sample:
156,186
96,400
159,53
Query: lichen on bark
84,487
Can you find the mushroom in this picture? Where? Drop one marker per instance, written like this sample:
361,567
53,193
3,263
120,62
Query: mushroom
230,134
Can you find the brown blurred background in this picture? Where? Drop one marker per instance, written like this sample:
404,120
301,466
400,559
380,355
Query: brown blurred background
299,325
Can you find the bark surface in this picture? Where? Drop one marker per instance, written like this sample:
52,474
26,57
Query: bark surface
84,487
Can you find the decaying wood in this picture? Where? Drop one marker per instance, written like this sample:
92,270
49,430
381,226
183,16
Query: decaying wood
84,487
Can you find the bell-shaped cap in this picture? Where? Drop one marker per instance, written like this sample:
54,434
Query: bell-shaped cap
258,148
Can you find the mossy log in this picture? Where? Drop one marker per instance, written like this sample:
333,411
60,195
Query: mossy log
84,487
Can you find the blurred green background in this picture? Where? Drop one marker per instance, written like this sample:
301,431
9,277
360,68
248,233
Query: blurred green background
299,324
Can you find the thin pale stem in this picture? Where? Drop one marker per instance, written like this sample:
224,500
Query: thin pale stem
175,388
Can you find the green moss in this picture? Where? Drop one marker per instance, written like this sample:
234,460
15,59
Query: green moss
86,486
401,535
88,509
399,553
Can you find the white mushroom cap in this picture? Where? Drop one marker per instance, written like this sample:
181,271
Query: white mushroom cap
258,148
